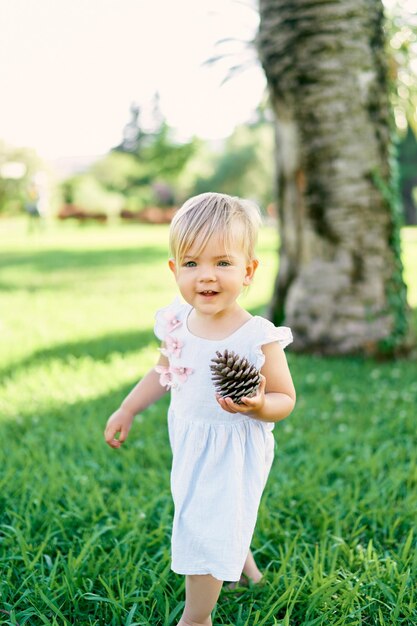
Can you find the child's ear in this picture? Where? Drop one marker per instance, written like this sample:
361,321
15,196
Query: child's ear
250,271
172,266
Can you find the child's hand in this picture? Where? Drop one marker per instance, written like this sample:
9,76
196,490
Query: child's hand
119,422
248,405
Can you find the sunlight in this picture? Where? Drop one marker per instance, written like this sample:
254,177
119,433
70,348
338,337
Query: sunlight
70,70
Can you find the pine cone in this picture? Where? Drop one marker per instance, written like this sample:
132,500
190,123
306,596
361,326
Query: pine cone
234,376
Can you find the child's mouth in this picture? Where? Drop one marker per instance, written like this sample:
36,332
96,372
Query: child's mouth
208,293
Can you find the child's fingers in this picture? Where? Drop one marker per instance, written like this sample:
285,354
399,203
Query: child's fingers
246,404
225,404
113,443
110,437
123,434
231,407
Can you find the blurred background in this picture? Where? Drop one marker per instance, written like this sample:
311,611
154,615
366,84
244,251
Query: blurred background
94,120
96,124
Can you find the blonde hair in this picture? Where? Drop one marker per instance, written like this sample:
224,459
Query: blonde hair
208,214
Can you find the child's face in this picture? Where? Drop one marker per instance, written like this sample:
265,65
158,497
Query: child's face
212,279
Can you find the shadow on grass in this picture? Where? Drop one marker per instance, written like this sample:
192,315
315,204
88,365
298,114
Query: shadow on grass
344,471
69,490
103,347
99,349
92,511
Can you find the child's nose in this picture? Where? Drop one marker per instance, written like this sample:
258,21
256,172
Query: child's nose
207,273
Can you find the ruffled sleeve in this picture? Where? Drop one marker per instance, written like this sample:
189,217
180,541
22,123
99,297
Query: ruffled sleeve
169,318
268,333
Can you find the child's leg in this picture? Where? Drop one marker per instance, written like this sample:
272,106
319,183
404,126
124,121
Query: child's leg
250,569
201,594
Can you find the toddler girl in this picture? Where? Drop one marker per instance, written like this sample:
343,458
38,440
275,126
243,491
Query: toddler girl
222,451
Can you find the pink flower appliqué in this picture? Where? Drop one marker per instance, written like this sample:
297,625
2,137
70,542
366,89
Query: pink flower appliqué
181,373
172,321
165,378
173,347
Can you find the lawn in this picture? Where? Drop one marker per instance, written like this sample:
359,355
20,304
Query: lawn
85,530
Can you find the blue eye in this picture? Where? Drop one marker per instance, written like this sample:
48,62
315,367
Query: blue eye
224,263
190,264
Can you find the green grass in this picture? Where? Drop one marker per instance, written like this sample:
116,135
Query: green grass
85,530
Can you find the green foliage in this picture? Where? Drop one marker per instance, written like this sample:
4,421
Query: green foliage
151,168
154,165
162,172
159,158
117,171
407,160
164,158
85,191
401,36
14,192
85,530
229,171
396,291
132,179
244,167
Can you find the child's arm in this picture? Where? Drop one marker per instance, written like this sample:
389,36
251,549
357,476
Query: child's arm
146,392
276,395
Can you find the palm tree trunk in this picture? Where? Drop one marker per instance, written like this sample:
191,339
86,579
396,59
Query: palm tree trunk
340,283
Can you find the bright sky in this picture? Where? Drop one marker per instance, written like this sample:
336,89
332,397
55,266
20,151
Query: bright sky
69,69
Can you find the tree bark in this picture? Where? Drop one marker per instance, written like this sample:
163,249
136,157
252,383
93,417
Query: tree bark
339,284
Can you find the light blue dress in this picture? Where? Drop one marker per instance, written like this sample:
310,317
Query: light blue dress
221,461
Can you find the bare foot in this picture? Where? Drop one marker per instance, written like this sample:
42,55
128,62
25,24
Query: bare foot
246,581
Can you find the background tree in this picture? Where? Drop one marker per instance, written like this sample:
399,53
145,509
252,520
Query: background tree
407,159
150,168
14,188
340,283
158,159
243,166
141,171
401,30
